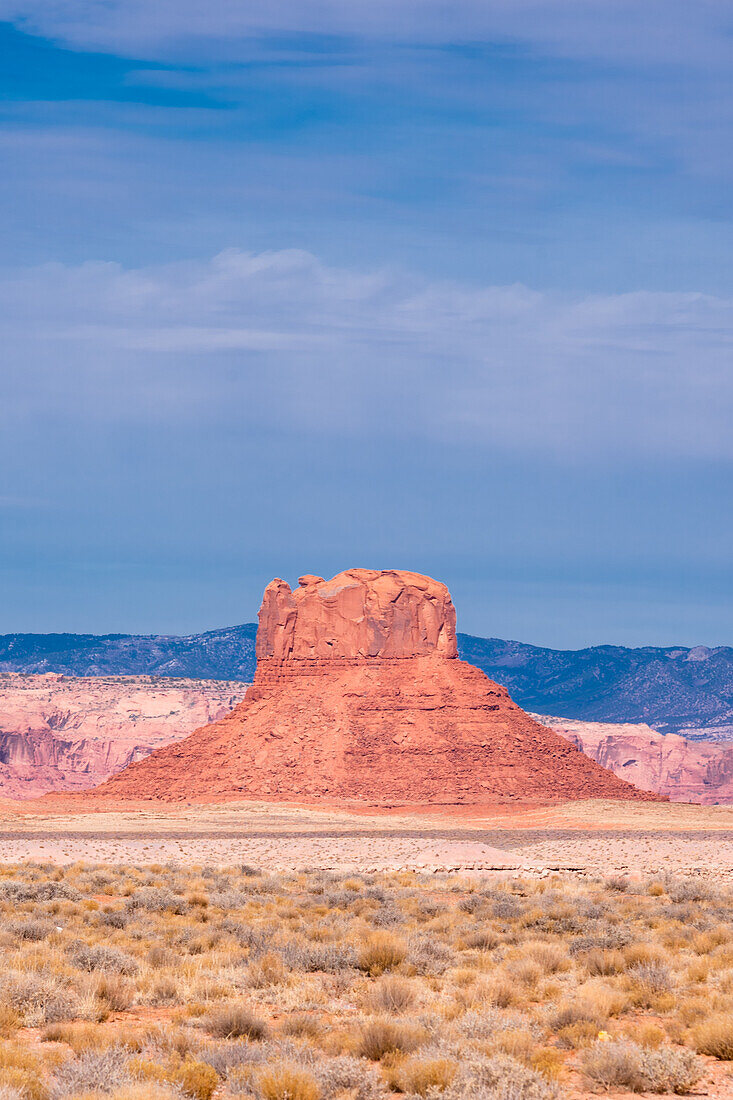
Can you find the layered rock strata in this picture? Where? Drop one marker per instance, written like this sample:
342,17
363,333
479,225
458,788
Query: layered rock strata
685,771
62,733
359,697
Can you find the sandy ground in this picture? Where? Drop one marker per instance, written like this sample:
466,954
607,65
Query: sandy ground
584,837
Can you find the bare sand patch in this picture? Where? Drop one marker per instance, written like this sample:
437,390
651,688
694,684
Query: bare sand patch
584,837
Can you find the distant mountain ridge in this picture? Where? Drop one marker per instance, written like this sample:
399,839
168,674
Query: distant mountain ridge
227,654
674,689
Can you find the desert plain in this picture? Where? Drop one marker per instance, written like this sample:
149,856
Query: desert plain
590,837
288,952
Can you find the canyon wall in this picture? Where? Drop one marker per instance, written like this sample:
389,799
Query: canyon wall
71,733
685,771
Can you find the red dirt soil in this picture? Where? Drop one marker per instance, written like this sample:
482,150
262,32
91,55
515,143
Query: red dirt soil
392,717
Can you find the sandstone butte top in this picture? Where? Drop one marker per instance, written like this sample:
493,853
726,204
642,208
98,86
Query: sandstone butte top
360,613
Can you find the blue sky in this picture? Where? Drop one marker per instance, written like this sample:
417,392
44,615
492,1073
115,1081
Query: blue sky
292,287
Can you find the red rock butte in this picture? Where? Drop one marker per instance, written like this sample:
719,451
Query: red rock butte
359,697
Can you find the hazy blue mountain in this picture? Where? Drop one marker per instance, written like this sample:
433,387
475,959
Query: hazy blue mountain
227,654
670,688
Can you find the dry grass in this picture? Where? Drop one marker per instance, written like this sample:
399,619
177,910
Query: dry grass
208,983
714,1036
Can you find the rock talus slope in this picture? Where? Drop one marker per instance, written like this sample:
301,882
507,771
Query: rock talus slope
359,696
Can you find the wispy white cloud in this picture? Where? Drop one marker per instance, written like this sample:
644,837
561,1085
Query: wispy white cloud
665,31
280,339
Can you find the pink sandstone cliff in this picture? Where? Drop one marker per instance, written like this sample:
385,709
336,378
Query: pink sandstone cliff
685,771
71,733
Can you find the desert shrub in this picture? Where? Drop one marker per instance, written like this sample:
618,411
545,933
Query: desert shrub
235,1021
471,903
481,939
46,890
609,939
155,900
392,995
714,1036
78,1035
524,972
146,1090
688,889
424,1076
100,957
668,1070
625,1064
114,918
652,977
286,1082
40,1000
485,1024
268,970
22,1071
324,957
604,962
387,916
93,1071
31,930
549,957
9,1020
499,1078
518,1042
9,1092
302,1024
427,955
227,1056
159,955
381,1036
612,1064
115,991
347,1076
196,1079
381,952
618,883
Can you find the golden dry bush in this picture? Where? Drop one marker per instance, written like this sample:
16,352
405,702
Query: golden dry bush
79,1035
304,1025
518,1042
22,1071
604,962
551,958
422,1076
392,995
381,1036
548,1061
381,951
196,1079
10,1020
269,970
139,1090
235,1021
286,1082
714,1036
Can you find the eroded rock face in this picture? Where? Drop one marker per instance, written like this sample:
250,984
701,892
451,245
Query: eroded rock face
359,613
685,771
61,733
359,697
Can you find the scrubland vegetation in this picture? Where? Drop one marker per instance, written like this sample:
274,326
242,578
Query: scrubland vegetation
159,982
